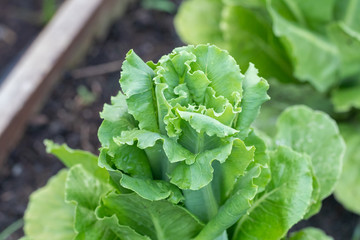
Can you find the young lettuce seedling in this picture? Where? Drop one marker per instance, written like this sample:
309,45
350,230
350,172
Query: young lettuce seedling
179,160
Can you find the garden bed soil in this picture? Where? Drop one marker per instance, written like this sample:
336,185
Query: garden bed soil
20,22
71,115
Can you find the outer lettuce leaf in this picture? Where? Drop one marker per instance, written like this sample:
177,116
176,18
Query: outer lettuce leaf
249,38
314,57
347,190
58,222
272,213
115,119
130,160
133,162
154,219
72,157
137,85
307,13
204,21
104,229
310,234
305,130
85,191
83,185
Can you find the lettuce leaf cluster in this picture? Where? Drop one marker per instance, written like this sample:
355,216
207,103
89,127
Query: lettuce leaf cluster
302,40
293,41
179,159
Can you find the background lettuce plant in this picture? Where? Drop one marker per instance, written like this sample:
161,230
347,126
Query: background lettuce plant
293,42
180,160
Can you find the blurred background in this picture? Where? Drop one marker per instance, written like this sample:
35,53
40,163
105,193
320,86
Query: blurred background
71,112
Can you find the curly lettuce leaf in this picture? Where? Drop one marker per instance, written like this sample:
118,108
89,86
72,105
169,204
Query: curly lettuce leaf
255,94
261,158
115,119
137,85
200,173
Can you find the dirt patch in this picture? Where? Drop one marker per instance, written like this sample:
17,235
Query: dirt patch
20,22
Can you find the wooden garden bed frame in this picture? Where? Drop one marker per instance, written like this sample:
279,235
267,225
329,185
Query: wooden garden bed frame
62,43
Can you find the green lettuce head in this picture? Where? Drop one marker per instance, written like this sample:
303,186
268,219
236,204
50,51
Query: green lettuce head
183,113
182,126
182,161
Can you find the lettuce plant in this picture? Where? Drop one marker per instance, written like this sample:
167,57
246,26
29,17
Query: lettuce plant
179,159
295,42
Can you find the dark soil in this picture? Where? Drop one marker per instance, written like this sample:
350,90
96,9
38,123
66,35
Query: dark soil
20,22
333,219
71,115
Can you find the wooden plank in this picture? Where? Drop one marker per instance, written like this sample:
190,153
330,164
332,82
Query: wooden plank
62,43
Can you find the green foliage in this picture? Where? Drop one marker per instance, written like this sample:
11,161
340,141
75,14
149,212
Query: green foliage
293,42
347,190
179,159
50,200
310,234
